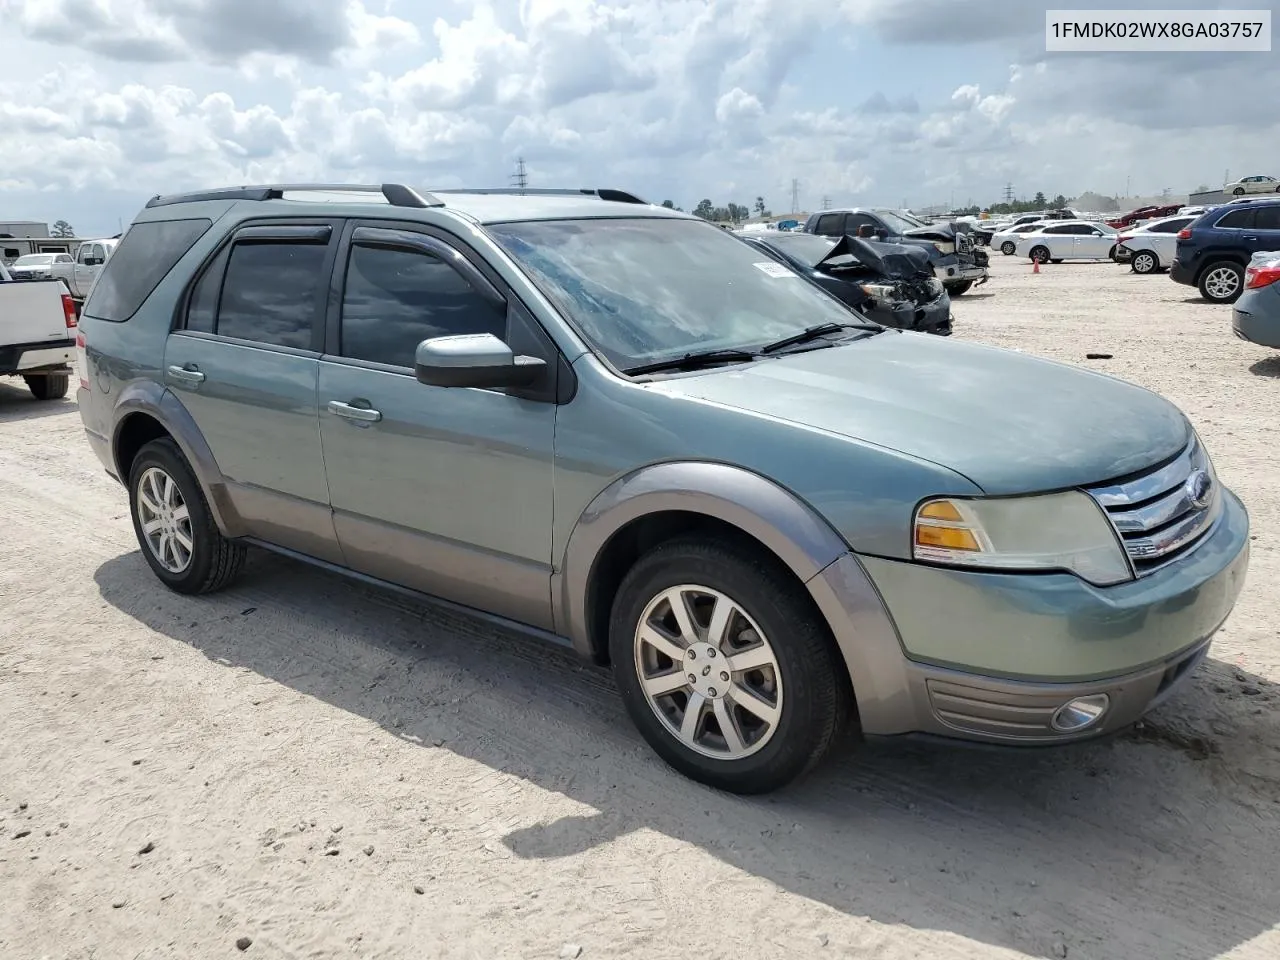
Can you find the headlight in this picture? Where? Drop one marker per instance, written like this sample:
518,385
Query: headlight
878,291
1056,531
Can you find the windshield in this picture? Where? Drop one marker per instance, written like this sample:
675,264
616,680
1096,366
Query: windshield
646,289
34,260
898,222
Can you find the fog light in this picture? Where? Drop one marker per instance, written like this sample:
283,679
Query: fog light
1080,713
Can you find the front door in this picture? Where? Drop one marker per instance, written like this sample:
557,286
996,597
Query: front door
444,490
1093,244
244,362
88,258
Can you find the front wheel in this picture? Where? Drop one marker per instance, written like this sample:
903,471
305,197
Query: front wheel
1238,191
48,386
173,523
1222,282
959,288
1008,248
725,666
1040,253
1145,261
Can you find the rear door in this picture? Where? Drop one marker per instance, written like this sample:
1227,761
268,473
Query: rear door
244,361
1163,238
1265,234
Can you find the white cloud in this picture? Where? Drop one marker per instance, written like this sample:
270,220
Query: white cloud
110,101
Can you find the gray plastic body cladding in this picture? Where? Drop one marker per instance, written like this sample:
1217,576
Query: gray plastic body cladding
154,400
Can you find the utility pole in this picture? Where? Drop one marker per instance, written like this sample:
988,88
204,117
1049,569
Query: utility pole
520,178
795,195
1008,193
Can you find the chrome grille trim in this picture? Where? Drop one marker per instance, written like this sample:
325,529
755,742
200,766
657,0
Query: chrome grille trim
1157,515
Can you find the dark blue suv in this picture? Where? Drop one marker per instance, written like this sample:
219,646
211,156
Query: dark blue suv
1214,250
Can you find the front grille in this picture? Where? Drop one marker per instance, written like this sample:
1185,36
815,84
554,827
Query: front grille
1164,513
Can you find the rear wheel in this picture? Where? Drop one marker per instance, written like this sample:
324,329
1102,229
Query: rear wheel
1040,253
725,667
171,518
48,386
1145,261
1222,282
1238,191
1008,248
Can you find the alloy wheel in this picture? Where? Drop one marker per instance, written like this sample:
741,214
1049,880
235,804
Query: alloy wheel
708,672
1221,283
165,520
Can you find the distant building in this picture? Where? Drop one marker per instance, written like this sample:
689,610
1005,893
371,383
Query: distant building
23,228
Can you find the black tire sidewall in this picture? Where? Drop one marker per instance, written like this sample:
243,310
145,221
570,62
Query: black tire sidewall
1033,254
801,728
166,455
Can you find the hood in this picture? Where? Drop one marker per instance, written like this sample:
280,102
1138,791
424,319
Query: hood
1009,422
893,260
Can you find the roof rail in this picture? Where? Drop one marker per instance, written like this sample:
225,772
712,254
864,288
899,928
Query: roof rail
397,194
604,193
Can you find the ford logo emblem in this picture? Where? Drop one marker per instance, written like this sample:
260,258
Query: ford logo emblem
1199,489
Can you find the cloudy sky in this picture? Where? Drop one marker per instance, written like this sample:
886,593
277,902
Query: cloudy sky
104,103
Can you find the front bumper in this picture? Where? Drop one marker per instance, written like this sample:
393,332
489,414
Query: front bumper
991,657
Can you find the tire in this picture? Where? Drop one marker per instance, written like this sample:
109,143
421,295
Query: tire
212,561
48,386
959,288
804,681
1145,261
1111,254
1040,253
1222,282
1238,191
1008,248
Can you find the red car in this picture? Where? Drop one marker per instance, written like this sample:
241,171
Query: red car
1145,213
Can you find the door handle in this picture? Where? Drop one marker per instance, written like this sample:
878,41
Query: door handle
350,412
187,374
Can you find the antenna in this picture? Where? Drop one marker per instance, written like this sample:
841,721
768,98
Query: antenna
520,178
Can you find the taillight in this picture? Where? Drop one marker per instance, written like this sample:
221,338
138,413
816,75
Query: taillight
1255,277
1184,233
82,361
69,310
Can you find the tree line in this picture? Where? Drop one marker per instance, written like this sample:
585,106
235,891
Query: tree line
733,212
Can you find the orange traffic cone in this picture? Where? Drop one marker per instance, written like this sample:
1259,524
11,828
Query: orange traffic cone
1035,264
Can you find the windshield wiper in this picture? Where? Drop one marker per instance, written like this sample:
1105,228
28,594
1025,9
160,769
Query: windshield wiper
817,332
691,361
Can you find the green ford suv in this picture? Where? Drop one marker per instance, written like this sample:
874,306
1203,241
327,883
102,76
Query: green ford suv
622,429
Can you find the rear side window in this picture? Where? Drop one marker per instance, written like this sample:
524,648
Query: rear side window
269,293
147,253
1239,219
1266,218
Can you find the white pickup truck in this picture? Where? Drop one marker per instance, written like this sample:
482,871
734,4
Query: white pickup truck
38,328
78,275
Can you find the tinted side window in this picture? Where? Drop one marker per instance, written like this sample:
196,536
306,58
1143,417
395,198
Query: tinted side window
829,224
1057,229
1266,218
395,298
203,305
147,252
270,293
1239,219
1173,226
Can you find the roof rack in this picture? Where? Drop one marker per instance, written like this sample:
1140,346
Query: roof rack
604,193
397,194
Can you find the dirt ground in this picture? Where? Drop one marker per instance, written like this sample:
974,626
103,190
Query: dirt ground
331,771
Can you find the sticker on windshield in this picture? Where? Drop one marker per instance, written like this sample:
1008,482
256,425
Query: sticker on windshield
774,269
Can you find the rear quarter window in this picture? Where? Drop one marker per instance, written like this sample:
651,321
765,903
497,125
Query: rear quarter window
144,256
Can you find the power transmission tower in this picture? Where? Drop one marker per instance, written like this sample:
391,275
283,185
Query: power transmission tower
795,195
1008,193
826,203
520,178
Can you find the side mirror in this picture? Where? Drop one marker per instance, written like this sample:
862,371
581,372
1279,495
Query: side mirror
473,360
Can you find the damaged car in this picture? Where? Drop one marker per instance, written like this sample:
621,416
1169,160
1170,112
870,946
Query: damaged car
889,283
953,253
